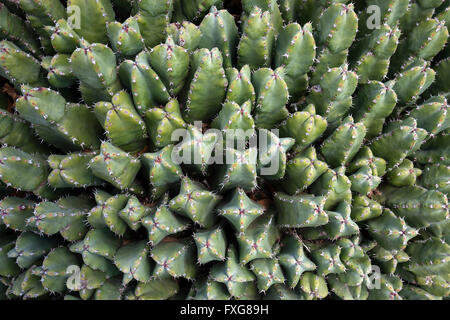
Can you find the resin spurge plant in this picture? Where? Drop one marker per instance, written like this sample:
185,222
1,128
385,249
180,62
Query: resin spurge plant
346,197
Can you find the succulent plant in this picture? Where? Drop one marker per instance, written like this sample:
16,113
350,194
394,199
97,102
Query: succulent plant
195,149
